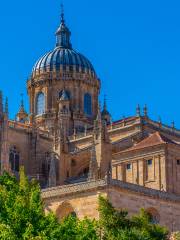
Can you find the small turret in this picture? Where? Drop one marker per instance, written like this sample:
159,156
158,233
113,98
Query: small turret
138,111
145,111
4,141
22,115
1,103
102,147
52,171
6,110
105,115
63,34
93,166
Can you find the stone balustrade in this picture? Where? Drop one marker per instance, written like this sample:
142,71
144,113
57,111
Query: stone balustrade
90,185
72,188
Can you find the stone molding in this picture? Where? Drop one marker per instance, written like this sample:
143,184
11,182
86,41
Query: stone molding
72,188
145,191
60,191
128,156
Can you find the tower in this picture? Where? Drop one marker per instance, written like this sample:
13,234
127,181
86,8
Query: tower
4,143
102,145
63,70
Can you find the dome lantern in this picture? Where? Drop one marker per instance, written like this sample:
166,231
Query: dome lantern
63,34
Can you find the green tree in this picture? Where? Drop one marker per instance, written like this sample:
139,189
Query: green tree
22,214
176,235
22,217
117,225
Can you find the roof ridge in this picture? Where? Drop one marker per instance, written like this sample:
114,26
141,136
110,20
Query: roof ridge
148,142
158,134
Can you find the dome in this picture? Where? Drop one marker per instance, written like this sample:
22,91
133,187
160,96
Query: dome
63,57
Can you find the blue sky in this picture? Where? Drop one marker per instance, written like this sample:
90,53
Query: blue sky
133,45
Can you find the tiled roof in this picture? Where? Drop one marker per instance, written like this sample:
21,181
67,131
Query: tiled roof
152,140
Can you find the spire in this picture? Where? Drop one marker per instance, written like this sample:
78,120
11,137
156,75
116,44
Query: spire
138,111
106,116
93,166
98,117
159,121
63,34
145,110
22,104
1,102
62,14
105,104
52,171
22,115
6,106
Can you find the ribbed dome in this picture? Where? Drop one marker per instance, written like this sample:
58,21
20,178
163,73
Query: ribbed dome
63,58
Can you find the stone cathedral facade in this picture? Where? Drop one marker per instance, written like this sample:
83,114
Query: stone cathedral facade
76,152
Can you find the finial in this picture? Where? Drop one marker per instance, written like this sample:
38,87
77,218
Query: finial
1,102
1,96
22,100
99,111
159,120
62,13
6,106
145,110
105,102
85,130
138,111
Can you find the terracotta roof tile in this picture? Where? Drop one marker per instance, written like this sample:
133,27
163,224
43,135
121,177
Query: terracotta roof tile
152,140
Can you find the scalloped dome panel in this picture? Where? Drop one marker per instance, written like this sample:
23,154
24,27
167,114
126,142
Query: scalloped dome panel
63,57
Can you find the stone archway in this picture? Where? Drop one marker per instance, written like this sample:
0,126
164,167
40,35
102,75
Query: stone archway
154,215
64,210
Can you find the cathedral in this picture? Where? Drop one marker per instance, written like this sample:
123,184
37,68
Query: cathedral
70,144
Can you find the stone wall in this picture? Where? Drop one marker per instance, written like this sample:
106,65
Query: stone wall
133,198
134,167
82,199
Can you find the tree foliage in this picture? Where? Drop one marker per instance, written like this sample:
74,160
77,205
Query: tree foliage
176,236
117,225
22,217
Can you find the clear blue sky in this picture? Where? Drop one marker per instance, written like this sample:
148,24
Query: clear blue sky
133,45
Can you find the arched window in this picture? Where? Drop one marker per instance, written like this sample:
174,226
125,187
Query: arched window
87,104
40,104
14,159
